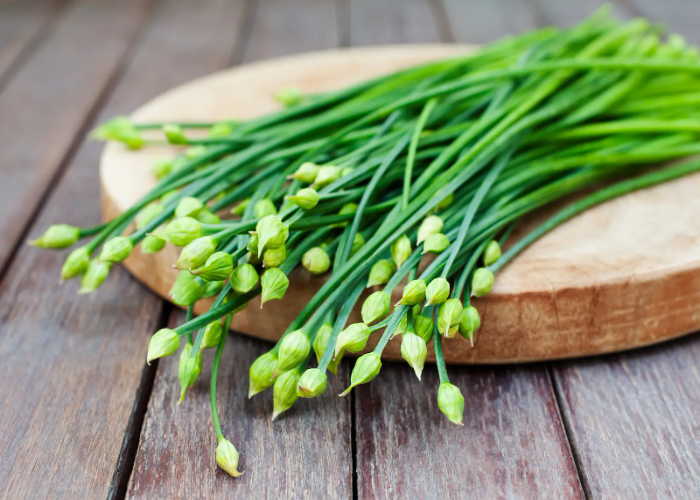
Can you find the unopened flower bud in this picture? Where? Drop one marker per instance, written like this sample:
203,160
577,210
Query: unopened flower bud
94,276
195,151
187,289
366,368
437,291
182,231
413,293
188,207
414,351
482,282
148,213
274,285
451,402
381,272
274,257
76,263
263,208
188,369
449,317
285,392
117,249
431,225
227,457
120,129
423,327
221,129
376,307
212,288
152,243
436,243
312,383
357,243
163,343
348,208
401,250
239,209
306,198
196,253
173,193
470,323
261,372
174,134
321,340
316,260
346,171
217,267
294,348
272,233
212,335
446,201
162,167
244,278
353,338
206,217
492,253
57,236
326,175
289,96
253,244
306,173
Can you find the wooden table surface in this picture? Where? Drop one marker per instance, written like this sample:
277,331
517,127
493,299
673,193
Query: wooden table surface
82,416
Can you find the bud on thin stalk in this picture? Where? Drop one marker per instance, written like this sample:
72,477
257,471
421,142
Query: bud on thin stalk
492,253
244,278
413,293
437,291
431,225
376,307
306,198
196,253
218,267
316,260
76,263
401,250
117,249
163,343
414,351
381,272
293,349
260,374
227,457
285,392
57,237
274,285
451,402
482,282
188,207
366,368
312,383
353,338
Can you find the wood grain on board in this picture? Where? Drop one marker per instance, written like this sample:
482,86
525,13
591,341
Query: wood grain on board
483,21
391,21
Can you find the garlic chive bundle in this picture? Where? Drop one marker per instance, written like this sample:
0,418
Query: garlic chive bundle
413,179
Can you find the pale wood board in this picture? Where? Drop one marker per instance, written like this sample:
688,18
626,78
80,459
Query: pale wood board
622,275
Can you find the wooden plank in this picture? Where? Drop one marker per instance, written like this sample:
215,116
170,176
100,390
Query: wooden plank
48,99
306,452
392,21
512,444
633,421
678,16
569,13
481,21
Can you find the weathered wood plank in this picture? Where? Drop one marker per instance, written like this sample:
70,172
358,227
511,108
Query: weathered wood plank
49,98
306,452
481,21
392,21
677,15
569,13
633,420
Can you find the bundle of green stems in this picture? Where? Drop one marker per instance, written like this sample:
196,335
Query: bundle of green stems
360,184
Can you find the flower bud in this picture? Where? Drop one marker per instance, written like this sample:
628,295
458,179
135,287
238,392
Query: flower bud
316,260
188,369
148,213
436,243
437,291
217,267
376,307
381,272
312,383
174,134
221,129
446,202
348,208
163,343
212,335
357,243
57,236
206,217
195,152
117,249
272,233
482,282
294,348
188,207
152,243
451,402
274,285
449,317
239,209
285,392
196,253
366,368
253,242
289,96
263,208
492,253
326,175
413,293
244,278
274,257
306,198
182,231
173,193
119,129
423,327
401,250
227,457
414,351
162,167
76,263
431,225
187,289
95,275
260,374
321,340
212,288
470,323
353,338
346,171
306,172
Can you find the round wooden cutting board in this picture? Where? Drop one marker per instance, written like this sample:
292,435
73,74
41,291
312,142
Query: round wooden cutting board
622,275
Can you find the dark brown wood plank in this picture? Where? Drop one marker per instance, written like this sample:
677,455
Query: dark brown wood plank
481,21
392,21
49,98
633,420
306,452
512,444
